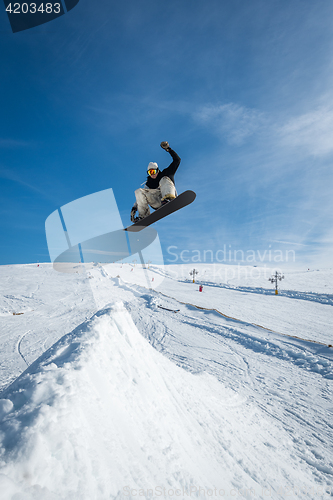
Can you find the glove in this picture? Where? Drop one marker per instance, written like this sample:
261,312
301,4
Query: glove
133,212
165,145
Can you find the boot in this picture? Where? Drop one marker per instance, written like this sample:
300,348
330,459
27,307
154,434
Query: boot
167,198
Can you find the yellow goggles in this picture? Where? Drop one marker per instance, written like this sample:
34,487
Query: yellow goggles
152,171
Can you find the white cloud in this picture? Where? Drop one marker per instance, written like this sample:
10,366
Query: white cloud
234,122
291,243
287,161
312,131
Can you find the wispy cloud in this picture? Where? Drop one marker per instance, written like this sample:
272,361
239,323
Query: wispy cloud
232,121
291,243
284,194
311,131
5,173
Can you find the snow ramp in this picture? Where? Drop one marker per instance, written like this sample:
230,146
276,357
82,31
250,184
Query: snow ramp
103,415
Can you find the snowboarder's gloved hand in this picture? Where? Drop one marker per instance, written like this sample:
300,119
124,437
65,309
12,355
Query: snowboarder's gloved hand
165,145
133,212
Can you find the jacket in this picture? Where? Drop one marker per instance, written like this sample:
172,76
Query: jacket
167,172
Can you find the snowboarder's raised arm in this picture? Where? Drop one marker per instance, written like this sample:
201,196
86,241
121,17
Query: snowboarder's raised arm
172,168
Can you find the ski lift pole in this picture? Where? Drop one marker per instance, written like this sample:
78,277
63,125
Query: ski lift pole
193,273
274,279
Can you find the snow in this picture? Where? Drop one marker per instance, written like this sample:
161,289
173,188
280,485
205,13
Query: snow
107,396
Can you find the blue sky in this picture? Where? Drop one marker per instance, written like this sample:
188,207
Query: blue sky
242,90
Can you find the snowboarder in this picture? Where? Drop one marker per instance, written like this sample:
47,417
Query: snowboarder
159,188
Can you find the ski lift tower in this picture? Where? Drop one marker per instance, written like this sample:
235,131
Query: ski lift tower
193,273
274,279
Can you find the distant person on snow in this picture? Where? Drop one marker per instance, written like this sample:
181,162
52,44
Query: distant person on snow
159,188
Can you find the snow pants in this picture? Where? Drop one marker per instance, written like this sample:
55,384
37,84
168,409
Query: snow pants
154,197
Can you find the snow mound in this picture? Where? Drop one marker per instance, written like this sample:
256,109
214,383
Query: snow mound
103,415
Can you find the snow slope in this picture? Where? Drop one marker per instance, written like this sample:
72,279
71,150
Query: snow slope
124,399
52,304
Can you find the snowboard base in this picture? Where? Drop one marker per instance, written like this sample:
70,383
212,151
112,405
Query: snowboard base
181,201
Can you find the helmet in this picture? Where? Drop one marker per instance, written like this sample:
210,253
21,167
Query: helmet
152,165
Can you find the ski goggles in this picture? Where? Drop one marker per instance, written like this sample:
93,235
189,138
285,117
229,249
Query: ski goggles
152,171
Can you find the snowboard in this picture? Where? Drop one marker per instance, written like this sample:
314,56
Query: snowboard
181,201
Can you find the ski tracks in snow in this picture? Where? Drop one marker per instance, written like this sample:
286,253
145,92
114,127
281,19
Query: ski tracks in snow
303,372
19,347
